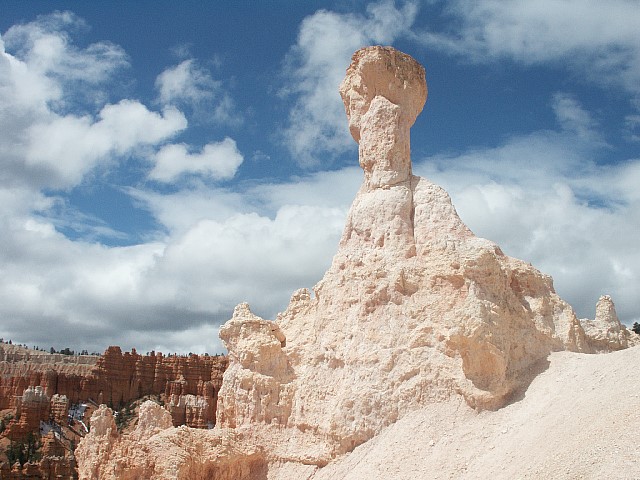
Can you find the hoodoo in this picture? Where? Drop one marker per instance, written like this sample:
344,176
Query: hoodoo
414,310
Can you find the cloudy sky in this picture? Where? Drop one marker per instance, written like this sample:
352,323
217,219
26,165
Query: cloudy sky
163,161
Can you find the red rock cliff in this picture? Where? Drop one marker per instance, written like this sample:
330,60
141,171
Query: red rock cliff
115,378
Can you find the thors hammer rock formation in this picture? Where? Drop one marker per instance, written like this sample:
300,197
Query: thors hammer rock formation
415,309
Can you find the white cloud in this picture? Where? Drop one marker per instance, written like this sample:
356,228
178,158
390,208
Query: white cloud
70,146
202,338
179,211
143,296
40,145
218,161
600,39
186,82
248,257
315,67
56,129
573,118
44,47
327,189
191,85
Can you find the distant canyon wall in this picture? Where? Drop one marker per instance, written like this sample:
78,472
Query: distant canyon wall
190,383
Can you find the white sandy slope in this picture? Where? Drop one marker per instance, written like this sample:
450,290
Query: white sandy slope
579,419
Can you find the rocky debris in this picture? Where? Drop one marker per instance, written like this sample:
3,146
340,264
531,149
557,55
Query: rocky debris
152,419
189,410
52,447
414,311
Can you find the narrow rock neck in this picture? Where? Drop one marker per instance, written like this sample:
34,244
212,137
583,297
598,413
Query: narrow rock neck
385,151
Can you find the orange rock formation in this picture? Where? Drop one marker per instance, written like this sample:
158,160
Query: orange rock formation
116,378
40,387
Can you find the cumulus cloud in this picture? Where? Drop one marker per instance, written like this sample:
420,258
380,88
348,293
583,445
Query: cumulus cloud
180,210
70,146
600,39
191,85
143,296
57,129
315,67
42,144
218,161
46,61
186,82
217,264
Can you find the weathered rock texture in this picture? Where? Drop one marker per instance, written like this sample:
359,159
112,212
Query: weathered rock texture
579,419
606,333
59,408
120,378
21,368
32,408
155,450
49,467
414,310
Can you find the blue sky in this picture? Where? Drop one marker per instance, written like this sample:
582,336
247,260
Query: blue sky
164,161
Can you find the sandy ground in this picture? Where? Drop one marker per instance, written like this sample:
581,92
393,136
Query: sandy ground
579,419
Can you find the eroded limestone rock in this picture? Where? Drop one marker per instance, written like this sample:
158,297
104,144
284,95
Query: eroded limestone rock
414,309
605,333
156,450
258,389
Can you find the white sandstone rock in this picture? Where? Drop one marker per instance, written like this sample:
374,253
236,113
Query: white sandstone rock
414,308
605,333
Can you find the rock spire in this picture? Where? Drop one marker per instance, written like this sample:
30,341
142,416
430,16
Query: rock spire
414,308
